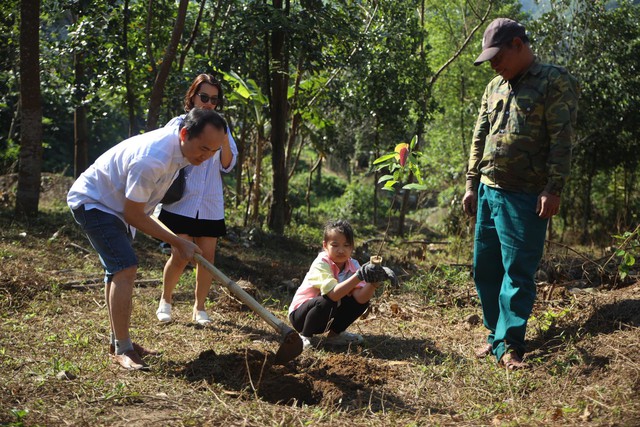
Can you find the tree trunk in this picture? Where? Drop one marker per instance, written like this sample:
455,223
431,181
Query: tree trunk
404,207
214,20
194,33
307,196
131,98
279,79
463,126
257,178
376,176
586,195
296,160
80,127
30,167
240,143
297,118
319,174
165,67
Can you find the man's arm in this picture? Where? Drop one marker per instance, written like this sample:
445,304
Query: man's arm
134,215
561,107
480,133
470,199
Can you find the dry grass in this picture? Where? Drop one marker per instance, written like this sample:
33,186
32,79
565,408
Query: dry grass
415,367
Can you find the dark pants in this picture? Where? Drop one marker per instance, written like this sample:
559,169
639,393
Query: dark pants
509,243
321,314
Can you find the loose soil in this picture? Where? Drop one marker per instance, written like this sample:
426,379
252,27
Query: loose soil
337,380
414,368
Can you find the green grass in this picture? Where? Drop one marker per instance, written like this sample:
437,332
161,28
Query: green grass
414,369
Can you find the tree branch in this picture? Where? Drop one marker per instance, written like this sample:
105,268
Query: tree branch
148,37
338,69
459,51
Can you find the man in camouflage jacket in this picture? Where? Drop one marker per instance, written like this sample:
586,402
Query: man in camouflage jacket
518,166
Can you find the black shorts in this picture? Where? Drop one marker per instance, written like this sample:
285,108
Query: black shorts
193,227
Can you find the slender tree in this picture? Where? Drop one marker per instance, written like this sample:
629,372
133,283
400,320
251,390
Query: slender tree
194,33
249,95
80,126
279,85
165,67
460,40
30,167
126,52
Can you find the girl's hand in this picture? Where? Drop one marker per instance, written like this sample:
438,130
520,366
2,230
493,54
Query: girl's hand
375,273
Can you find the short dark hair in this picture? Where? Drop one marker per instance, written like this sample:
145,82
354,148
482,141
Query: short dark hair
197,118
341,226
195,88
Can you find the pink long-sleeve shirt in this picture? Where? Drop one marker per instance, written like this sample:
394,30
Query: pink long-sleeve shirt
322,277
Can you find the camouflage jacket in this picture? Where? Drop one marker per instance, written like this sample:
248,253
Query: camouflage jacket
522,138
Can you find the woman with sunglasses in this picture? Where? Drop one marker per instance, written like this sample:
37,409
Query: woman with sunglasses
199,214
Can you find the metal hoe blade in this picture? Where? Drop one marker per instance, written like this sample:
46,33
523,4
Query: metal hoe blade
291,347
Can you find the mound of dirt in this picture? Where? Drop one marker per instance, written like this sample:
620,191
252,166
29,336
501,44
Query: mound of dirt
339,380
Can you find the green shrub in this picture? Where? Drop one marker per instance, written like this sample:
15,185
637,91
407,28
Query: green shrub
356,204
9,157
309,234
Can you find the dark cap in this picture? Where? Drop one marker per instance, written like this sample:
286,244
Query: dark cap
500,32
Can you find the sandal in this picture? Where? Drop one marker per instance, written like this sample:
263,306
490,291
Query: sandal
512,361
483,351
130,360
143,352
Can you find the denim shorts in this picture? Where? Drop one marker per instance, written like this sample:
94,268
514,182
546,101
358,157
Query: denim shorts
110,237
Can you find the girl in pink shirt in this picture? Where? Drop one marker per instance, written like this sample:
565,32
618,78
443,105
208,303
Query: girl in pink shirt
336,290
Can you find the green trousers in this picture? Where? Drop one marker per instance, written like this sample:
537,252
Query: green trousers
509,240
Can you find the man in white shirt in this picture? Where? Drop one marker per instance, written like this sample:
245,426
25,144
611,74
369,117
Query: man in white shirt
117,195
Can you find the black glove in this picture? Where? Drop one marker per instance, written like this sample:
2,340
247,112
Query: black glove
367,272
375,273
391,276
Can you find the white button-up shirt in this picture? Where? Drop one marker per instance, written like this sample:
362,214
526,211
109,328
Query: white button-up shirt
140,169
203,193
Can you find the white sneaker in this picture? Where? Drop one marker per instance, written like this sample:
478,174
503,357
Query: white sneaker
201,317
344,338
306,342
164,311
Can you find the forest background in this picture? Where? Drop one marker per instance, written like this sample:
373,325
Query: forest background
316,86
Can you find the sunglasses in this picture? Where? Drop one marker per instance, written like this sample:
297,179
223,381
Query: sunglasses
206,98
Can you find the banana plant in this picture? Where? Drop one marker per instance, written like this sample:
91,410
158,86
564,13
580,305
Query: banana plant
248,93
